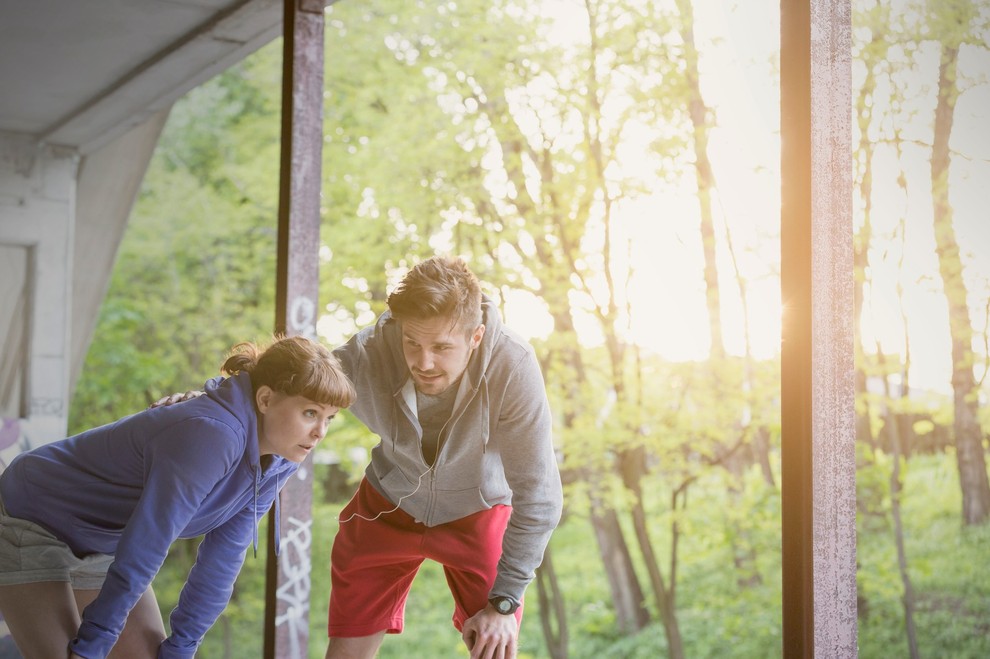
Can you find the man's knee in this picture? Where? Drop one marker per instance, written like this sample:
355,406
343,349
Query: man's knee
358,647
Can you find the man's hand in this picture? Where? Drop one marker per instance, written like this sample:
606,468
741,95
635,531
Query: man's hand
490,635
172,399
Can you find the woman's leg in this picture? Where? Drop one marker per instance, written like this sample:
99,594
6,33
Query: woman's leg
144,630
42,617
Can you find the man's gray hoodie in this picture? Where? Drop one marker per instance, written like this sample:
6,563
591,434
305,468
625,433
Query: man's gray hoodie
496,449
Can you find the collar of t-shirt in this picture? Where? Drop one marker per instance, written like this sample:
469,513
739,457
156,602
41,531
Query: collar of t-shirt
433,413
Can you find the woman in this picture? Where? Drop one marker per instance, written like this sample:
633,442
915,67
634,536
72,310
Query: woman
86,522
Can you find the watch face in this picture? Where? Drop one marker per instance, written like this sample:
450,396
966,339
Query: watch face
504,605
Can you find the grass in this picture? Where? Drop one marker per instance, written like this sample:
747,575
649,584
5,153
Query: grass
948,564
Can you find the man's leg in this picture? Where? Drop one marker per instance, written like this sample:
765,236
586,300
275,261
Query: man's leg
469,550
373,562
42,617
144,630
361,647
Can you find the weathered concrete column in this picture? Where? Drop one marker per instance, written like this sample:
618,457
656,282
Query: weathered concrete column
288,583
817,392
37,224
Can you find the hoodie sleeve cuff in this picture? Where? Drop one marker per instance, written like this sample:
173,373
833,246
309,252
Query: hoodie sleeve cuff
92,642
172,648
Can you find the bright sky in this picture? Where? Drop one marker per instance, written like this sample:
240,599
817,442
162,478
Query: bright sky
661,231
915,265
738,43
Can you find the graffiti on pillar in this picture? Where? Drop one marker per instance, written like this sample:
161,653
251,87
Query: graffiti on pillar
46,406
293,595
302,317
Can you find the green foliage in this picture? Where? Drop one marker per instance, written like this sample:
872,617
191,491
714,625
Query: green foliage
718,617
946,563
205,216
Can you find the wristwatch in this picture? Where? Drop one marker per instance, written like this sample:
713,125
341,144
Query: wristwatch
504,605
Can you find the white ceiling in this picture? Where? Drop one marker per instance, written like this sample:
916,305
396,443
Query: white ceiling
78,73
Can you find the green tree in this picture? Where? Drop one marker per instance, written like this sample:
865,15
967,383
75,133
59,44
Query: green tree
873,55
952,24
205,215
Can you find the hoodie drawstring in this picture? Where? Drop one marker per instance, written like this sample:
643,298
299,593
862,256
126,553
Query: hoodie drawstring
254,543
278,525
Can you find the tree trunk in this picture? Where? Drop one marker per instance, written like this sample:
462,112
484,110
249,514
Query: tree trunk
553,613
698,112
663,596
627,594
631,614
228,637
970,456
865,113
895,436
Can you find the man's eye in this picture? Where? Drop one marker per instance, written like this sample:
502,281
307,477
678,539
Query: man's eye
310,413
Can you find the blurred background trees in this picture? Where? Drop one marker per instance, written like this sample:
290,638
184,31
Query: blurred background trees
609,169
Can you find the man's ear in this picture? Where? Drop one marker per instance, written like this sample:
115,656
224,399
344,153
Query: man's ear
479,333
263,398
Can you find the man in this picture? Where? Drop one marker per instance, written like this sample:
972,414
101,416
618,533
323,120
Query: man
464,474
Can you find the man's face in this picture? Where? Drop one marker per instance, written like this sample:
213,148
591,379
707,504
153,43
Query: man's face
437,352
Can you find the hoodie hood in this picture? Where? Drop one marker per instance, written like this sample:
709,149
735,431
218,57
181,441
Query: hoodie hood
236,395
482,357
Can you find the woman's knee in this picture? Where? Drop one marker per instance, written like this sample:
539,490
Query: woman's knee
143,632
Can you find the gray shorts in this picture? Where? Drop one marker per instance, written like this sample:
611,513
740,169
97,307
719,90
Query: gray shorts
30,554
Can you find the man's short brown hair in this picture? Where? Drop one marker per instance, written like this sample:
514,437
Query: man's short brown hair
439,287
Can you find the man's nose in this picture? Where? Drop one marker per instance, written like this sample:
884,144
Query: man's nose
425,361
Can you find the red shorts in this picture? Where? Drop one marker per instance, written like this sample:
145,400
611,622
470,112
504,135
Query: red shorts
372,564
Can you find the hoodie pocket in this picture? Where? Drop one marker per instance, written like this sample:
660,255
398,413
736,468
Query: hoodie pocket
395,483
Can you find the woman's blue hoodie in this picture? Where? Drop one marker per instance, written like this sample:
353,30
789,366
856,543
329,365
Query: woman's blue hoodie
132,487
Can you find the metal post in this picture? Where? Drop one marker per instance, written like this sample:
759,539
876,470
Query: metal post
817,392
795,378
297,280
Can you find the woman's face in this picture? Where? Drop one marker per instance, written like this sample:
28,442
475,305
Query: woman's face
290,426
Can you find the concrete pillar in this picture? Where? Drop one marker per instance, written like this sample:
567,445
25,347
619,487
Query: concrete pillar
37,213
818,427
62,217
